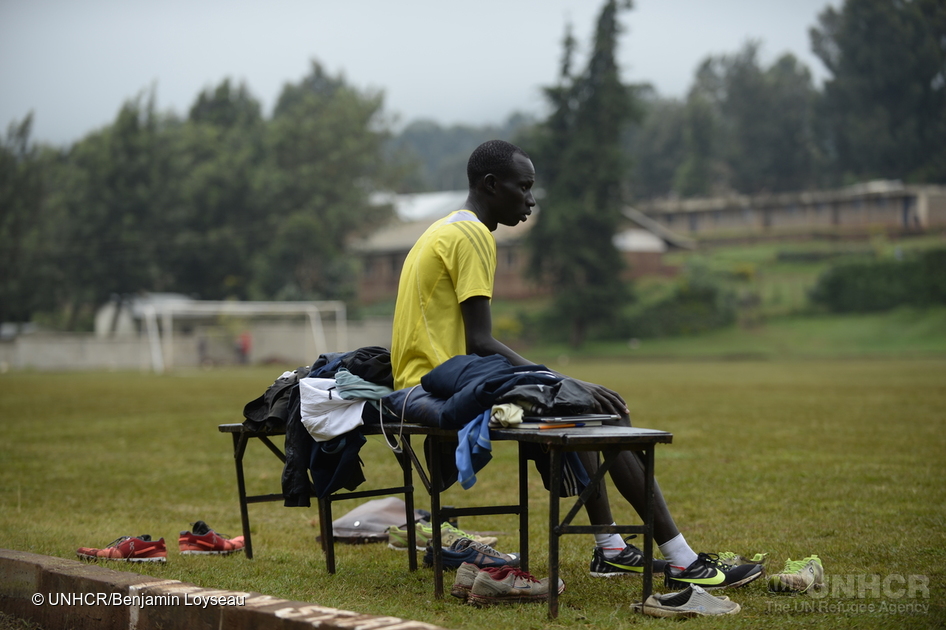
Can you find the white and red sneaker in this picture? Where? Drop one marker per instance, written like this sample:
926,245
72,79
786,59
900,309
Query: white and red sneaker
202,540
128,549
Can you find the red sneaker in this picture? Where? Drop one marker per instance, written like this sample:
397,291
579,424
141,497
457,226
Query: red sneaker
128,549
204,541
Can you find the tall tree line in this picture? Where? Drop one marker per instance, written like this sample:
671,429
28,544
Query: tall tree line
578,156
227,203
221,204
742,128
751,128
439,153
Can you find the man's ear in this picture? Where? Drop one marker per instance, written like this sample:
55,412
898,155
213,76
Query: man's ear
489,182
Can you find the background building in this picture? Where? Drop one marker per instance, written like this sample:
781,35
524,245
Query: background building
888,205
643,243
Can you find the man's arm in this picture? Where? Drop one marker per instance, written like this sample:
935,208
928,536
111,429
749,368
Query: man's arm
478,322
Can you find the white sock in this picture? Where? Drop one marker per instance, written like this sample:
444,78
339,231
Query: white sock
677,552
613,544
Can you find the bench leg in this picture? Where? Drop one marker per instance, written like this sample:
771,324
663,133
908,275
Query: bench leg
239,448
555,481
436,487
404,458
523,509
328,534
648,584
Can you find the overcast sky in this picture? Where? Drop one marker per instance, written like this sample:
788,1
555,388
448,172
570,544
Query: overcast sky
74,62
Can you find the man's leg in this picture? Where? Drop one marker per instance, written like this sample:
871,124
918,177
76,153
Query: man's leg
685,566
598,507
627,473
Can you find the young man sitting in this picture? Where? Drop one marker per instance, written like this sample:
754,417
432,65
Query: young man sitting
443,310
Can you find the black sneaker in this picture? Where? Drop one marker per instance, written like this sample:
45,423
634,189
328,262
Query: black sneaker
629,560
707,571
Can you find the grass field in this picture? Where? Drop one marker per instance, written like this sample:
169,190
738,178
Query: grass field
901,333
837,457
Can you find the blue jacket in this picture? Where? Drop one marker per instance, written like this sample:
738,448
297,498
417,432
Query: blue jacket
471,385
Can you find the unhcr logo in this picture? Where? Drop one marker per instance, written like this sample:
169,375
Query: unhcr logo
874,586
893,594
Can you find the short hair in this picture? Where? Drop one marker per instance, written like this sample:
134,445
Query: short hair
493,156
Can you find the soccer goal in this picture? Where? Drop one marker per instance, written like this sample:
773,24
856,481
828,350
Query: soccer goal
159,322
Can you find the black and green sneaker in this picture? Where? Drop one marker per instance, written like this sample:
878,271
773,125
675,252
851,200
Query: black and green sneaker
628,560
707,571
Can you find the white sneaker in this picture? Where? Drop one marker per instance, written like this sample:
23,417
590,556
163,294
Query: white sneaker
691,602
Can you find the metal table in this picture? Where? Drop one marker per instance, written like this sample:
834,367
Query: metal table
608,440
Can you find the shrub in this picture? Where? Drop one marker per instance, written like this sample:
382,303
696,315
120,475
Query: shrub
698,303
866,286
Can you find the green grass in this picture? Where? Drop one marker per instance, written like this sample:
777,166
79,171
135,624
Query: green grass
837,457
902,333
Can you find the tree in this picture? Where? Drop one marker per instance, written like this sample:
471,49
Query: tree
324,158
226,107
884,105
579,153
748,128
698,173
440,153
23,255
111,195
217,226
656,147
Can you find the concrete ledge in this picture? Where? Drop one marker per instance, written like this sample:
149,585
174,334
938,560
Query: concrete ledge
59,593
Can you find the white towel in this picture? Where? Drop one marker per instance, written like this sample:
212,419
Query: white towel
325,414
505,415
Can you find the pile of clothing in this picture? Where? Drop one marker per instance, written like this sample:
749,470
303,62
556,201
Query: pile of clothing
323,407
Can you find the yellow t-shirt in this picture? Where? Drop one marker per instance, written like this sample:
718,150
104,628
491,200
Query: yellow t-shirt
454,260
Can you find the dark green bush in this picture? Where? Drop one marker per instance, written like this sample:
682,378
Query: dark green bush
699,302
866,286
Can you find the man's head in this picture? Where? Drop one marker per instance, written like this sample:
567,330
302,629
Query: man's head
494,156
501,177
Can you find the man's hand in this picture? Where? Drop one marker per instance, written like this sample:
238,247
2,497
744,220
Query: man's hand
606,401
478,322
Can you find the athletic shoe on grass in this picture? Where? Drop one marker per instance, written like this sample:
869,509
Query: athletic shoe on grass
397,536
128,549
629,560
203,541
734,559
798,576
466,550
692,602
450,534
708,572
515,587
466,574
397,539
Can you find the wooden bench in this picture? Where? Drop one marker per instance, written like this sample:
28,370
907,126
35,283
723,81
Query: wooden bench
605,439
